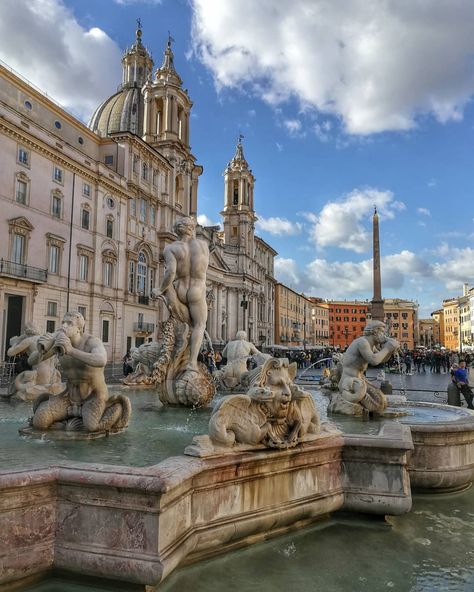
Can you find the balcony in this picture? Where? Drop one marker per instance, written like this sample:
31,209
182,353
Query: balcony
143,327
26,272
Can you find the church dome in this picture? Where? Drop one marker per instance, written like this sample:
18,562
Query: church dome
121,112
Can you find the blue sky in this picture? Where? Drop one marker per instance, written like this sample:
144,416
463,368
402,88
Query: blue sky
342,105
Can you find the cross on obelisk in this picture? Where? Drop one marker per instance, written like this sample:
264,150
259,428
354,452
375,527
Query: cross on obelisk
377,301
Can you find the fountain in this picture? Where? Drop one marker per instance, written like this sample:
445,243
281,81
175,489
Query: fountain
256,465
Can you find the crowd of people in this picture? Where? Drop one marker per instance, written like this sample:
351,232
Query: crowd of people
423,360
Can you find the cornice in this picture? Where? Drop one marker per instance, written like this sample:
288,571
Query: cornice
26,139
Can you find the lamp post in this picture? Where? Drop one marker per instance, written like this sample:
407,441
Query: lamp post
304,328
244,304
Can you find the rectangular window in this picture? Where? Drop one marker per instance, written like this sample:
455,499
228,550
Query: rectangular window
82,310
52,309
23,156
50,326
145,171
83,268
109,160
133,207
105,330
53,259
85,219
86,189
58,174
131,277
142,210
108,269
152,216
155,177
109,228
21,188
56,206
136,160
18,250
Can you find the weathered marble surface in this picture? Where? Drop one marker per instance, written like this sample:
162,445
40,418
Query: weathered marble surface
355,394
138,524
443,455
274,412
84,405
172,363
238,352
44,377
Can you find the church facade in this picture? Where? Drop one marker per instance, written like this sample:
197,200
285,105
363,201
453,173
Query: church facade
88,210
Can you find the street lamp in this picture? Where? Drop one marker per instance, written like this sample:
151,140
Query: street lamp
304,328
244,304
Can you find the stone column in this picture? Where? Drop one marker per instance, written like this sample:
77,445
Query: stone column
377,302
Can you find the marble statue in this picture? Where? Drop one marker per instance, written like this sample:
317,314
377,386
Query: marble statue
355,395
143,360
84,405
182,379
237,353
43,376
331,376
275,413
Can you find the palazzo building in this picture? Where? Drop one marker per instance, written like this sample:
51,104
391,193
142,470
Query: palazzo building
88,210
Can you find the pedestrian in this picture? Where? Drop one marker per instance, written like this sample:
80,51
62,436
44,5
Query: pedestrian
462,380
127,364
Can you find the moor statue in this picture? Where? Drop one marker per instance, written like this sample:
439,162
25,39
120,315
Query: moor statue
84,405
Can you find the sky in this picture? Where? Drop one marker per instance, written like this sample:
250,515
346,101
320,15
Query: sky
343,105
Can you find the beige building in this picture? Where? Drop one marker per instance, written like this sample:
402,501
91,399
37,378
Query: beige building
438,317
451,323
319,321
428,333
402,318
88,211
293,317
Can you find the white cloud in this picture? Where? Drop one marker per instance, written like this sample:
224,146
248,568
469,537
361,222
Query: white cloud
127,2
204,220
375,65
424,211
457,267
432,183
335,279
293,127
341,223
278,226
43,41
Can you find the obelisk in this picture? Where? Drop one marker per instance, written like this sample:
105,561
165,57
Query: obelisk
377,302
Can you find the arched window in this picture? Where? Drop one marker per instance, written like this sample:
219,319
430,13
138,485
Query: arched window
179,192
142,268
235,199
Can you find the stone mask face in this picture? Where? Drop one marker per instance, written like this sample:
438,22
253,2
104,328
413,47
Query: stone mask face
379,335
277,381
70,327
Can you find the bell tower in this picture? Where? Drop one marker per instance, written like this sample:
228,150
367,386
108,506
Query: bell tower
239,215
137,64
166,127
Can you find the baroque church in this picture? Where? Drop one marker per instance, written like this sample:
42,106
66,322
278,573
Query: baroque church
88,211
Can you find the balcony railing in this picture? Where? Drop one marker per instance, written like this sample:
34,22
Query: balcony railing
18,270
143,327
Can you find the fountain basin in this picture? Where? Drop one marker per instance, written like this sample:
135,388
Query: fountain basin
153,519
443,456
